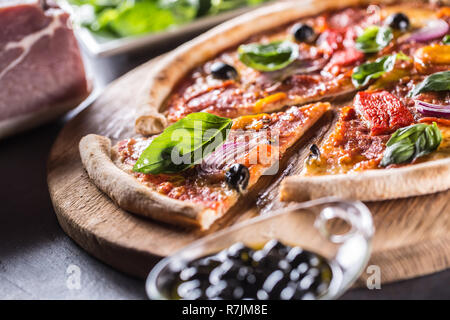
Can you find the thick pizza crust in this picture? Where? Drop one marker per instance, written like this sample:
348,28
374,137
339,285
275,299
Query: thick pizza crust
174,66
132,196
371,185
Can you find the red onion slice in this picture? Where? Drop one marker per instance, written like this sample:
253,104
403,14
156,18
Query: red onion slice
297,67
236,147
433,110
434,29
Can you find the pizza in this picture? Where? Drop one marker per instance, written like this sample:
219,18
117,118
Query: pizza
203,192
256,84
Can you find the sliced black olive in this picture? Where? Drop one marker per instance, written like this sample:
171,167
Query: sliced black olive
223,71
315,152
303,32
398,21
237,177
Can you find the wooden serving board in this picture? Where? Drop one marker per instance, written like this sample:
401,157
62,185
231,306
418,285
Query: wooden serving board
412,235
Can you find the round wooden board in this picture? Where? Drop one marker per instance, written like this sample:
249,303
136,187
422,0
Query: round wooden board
412,235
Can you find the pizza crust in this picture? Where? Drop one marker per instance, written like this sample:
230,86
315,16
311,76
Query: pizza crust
371,185
174,66
132,196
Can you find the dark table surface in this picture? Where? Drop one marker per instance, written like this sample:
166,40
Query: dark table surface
35,254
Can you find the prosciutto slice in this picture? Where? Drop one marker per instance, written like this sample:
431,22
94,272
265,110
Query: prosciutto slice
41,69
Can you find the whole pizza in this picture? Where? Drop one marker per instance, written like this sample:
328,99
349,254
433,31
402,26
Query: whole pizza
224,109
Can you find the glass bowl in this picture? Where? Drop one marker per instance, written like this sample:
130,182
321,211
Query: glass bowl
340,231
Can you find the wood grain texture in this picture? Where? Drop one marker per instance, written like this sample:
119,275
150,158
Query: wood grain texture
412,234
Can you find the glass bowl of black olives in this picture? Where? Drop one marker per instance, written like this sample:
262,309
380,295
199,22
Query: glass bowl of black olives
312,250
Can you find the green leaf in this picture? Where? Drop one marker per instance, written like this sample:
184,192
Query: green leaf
363,73
141,18
184,143
268,57
446,39
410,143
439,81
183,10
373,39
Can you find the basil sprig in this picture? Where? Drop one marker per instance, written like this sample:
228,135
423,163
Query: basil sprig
363,73
439,81
184,143
446,39
268,57
373,39
412,142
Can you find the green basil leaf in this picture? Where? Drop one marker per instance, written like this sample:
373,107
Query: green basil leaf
410,143
399,153
439,81
373,39
184,143
268,57
446,39
133,19
363,73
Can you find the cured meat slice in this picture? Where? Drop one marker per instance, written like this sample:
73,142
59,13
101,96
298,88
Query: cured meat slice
41,69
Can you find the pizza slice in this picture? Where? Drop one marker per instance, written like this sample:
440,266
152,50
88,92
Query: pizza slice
311,58
146,176
380,132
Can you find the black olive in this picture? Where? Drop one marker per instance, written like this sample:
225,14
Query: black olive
303,32
229,289
288,292
237,177
276,271
275,247
302,268
398,21
223,71
274,283
190,290
296,256
239,251
243,273
265,260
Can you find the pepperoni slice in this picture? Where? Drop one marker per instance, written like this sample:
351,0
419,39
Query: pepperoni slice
344,58
383,112
330,41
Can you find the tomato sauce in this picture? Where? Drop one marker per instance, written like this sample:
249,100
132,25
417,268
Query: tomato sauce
383,112
350,147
